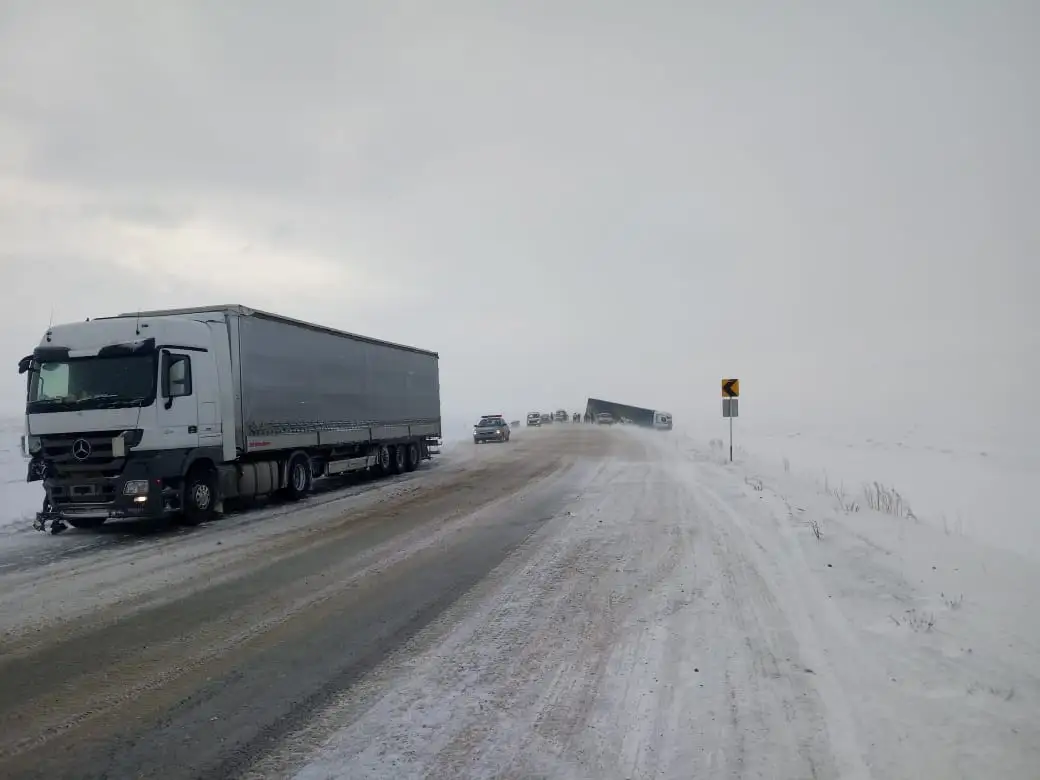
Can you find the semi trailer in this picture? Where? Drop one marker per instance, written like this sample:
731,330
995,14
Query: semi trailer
170,413
636,415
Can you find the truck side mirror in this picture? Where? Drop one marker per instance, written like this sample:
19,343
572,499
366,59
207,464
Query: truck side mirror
25,364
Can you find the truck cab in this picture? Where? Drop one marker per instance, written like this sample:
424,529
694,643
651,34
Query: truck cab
116,411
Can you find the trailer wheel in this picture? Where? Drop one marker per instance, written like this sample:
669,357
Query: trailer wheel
413,456
384,464
200,496
399,464
299,482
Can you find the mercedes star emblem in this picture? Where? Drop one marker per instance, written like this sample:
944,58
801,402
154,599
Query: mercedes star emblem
81,449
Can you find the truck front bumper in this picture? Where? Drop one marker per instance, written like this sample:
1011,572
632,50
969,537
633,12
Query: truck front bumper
113,498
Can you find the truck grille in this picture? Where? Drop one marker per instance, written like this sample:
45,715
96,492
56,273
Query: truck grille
82,455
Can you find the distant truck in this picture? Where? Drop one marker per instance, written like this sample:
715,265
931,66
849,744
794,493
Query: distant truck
561,415
158,413
633,415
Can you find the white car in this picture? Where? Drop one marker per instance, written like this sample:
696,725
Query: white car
534,418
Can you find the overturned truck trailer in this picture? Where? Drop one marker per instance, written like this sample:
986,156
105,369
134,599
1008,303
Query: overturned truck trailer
636,415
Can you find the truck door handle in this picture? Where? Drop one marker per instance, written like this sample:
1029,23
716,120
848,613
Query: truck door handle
193,429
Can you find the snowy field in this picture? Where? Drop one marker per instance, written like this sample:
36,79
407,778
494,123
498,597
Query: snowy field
19,500
974,483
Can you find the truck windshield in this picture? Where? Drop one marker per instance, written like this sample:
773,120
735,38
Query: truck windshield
93,383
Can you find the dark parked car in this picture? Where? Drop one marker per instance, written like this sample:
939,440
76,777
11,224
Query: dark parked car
490,429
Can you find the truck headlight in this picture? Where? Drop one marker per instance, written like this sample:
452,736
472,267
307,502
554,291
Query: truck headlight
135,487
31,445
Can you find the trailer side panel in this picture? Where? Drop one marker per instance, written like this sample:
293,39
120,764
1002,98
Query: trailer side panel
299,382
637,414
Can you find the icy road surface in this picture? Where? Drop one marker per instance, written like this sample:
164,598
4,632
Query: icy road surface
581,603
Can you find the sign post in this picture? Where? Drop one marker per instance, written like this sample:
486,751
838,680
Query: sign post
730,408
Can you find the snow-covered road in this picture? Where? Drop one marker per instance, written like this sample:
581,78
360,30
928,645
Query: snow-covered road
582,603
681,619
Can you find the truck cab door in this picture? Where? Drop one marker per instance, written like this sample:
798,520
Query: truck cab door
206,390
178,404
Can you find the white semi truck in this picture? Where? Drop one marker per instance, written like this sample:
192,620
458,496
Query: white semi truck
160,413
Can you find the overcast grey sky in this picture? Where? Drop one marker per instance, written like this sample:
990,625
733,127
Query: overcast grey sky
836,202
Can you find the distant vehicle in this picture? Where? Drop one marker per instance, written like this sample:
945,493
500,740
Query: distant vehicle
630,415
576,417
491,429
547,419
514,424
604,418
561,415
534,418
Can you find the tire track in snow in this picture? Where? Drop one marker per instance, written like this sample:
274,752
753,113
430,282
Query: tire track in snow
792,601
633,636
214,674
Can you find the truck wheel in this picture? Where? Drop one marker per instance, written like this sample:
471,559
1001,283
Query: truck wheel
299,482
413,456
200,496
383,458
398,458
